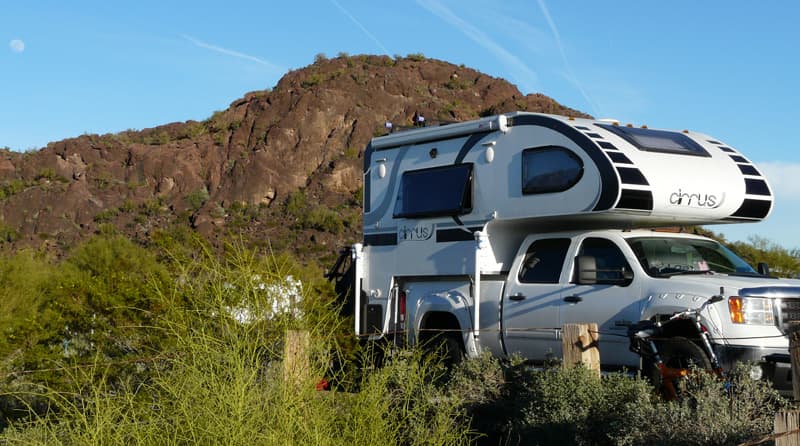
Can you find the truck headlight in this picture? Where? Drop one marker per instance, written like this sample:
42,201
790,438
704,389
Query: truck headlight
751,310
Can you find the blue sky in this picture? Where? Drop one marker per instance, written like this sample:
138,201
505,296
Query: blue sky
726,68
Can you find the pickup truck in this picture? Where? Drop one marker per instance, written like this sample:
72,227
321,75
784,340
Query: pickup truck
492,234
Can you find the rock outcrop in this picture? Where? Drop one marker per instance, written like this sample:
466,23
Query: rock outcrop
278,165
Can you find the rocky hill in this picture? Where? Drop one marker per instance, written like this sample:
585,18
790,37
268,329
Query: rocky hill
281,166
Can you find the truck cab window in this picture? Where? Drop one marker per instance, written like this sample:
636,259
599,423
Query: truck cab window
543,261
664,256
611,262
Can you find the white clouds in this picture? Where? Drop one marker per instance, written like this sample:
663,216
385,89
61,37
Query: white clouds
17,45
358,24
525,77
570,74
233,53
783,177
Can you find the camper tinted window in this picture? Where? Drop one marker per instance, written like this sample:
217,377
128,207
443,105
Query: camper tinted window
549,169
657,140
435,192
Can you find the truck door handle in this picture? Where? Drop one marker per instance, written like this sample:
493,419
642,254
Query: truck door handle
573,299
517,297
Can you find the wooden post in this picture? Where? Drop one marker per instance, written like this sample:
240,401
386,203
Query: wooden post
787,421
296,365
794,352
579,345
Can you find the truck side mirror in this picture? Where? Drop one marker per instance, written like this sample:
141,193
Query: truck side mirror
586,270
763,268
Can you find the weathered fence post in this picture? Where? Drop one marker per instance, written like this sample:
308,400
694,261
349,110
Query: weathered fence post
579,344
296,366
794,352
787,421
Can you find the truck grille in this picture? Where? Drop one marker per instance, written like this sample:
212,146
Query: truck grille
789,313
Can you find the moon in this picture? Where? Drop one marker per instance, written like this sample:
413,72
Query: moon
17,45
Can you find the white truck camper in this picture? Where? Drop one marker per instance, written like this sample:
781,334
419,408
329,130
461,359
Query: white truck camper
494,233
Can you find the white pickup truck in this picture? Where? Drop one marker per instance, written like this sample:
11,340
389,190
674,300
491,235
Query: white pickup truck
494,233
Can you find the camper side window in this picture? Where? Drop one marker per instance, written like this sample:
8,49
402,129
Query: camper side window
434,192
543,261
549,169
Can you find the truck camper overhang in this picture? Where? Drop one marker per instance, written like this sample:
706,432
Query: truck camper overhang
552,173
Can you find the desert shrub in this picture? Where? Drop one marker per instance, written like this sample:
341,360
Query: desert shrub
196,199
157,138
407,405
312,80
309,216
106,215
223,379
47,173
324,219
192,130
87,308
12,187
715,412
8,233
572,406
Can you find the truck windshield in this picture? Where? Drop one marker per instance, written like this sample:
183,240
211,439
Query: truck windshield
666,256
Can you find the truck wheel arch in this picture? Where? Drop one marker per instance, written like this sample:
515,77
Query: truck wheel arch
438,321
444,326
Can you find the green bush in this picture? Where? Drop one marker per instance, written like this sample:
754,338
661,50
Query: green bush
158,138
196,199
555,406
12,187
182,344
222,378
87,308
192,130
106,215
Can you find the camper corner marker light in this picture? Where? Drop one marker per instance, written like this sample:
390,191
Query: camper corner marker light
381,167
489,150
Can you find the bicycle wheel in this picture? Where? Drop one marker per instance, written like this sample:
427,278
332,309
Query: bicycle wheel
677,353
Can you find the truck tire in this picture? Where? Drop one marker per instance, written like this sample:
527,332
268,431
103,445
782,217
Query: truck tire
447,347
677,353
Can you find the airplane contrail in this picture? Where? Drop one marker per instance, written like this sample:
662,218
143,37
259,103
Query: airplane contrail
365,30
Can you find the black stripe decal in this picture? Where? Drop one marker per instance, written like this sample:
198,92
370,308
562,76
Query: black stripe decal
636,199
632,175
747,169
727,149
738,159
619,158
610,185
756,187
756,209
456,235
468,145
386,239
594,135
607,145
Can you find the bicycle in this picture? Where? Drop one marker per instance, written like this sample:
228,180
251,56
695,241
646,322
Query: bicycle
669,359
